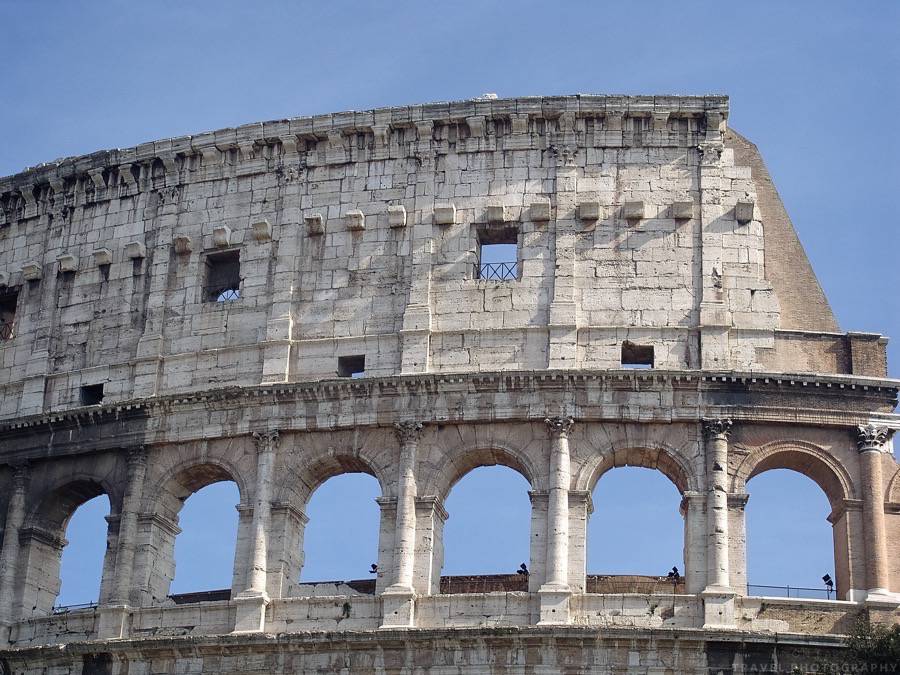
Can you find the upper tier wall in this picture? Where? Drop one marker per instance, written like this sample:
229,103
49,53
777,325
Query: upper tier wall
359,234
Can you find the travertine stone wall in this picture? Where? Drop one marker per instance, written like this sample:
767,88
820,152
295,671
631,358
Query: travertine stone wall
358,235
640,223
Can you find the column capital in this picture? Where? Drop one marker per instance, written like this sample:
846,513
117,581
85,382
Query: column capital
872,437
408,432
21,472
716,428
136,455
559,426
266,441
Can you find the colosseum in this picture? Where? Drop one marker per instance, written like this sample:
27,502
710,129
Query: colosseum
284,302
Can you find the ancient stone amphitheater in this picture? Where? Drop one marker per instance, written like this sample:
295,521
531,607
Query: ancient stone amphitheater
288,301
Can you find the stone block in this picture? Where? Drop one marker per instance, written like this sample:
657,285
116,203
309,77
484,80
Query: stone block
183,244
222,236
135,250
355,220
635,210
743,212
397,216
102,256
444,214
262,230
589,211
31,271
497,213
4,279
540,210
315,224
67,262
683,210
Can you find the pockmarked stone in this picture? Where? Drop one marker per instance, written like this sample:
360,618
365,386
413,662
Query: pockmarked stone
560,285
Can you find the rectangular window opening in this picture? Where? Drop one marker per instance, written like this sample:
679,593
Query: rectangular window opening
9,300
498,254
637,356
92,394
352,366
223,277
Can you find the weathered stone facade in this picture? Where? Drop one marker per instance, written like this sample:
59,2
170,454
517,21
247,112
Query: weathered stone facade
188,311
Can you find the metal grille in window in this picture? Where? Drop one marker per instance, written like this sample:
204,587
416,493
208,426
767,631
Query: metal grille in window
223,277
501,271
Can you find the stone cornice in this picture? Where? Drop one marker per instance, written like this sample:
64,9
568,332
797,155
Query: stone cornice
703,385
214,146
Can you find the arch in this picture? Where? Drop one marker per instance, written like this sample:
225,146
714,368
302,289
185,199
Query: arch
163,500
43,539
179,482
57,503
457,464
309,475
803,457
893,490
649,455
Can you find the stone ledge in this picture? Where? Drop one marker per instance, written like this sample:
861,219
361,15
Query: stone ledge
500,381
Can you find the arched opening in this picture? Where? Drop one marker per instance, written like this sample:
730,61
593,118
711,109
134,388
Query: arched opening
82,560
205,547
340,540
790,544
89,557
636,533
822,493
487,536
188,534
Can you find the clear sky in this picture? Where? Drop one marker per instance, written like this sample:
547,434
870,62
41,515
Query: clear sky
813,83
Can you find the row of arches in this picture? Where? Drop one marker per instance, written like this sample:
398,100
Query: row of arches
635,529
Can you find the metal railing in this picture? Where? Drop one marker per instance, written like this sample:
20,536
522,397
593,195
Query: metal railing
497,271
791,592
6,330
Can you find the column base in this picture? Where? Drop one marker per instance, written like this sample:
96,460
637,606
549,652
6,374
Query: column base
554,599
718,608
251,612
398,607
882,598
113,624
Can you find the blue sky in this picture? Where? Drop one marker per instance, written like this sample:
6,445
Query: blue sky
813,84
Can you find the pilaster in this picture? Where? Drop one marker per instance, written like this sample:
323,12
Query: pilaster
562,348
399,598
555,592
873,442
251,602
9,554
718,597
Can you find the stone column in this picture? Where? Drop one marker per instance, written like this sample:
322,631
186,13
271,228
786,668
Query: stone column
112,618
398,598
131,504
555,592
872,441
251,602
9,555
718,596
693,510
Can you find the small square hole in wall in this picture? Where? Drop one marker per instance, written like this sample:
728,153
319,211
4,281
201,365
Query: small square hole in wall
92,394
498,254
636,356
223,277
352,366
8,302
